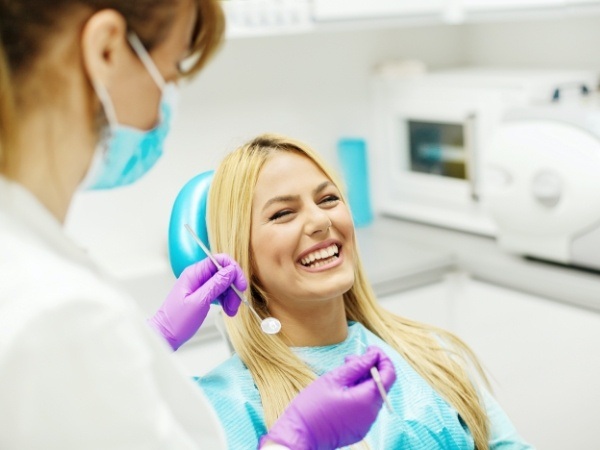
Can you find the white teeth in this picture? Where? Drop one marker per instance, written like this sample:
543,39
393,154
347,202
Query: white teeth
324,253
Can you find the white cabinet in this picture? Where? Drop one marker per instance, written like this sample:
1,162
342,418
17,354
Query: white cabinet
500,5
324,10
542,356
432,304
247,18
583,6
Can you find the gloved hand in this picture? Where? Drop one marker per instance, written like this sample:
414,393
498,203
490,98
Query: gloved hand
336,409
187,305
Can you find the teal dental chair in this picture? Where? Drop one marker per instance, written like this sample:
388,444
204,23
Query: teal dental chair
190,208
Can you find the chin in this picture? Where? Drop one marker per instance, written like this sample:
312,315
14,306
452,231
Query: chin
337,288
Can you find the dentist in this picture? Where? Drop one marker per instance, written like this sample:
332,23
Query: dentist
85,102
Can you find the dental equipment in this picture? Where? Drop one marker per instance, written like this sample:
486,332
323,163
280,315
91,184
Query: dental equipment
269,325
377,379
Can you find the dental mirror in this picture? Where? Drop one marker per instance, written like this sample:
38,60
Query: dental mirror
269,325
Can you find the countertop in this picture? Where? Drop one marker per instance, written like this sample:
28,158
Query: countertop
394,263
483,259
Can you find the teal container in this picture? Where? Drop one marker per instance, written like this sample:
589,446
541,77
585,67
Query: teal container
352,154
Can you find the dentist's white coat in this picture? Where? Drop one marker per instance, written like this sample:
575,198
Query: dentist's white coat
79,367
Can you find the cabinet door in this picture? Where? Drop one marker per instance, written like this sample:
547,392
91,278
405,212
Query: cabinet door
432,304
360,9
543,360
246,18
499,5
542,356
577,8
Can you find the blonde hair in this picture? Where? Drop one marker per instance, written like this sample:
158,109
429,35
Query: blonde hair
441,358
27,25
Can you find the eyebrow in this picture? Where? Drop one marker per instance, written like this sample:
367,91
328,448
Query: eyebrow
290,198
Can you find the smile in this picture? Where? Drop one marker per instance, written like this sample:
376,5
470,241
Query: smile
321,257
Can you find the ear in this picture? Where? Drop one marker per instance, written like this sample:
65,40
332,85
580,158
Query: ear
103,43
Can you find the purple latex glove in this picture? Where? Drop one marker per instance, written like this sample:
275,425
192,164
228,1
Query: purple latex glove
336,409
187,305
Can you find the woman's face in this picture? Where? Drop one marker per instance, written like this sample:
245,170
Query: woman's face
302,236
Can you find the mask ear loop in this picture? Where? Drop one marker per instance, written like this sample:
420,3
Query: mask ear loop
148,63
146,60
102,147
107,104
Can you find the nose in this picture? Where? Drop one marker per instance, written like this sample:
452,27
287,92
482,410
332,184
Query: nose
317,221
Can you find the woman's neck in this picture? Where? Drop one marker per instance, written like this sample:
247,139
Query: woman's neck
56,133
314,325
51,160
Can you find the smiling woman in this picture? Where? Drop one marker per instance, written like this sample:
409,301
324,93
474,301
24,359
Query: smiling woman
302,244
276,207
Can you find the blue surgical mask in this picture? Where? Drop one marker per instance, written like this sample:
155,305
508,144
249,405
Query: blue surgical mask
125,153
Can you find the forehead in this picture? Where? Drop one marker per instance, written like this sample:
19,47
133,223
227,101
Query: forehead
286,173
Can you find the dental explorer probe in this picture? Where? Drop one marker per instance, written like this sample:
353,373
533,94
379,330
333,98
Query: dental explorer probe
377,379
269,325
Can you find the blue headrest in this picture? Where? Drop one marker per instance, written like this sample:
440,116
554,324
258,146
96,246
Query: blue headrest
189,208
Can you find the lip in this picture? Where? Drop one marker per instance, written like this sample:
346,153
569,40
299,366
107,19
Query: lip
319,246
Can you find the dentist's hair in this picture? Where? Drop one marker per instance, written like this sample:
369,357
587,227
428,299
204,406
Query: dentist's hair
28,29
441,358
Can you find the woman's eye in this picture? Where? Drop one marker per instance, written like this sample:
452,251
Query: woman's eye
330,199
280,214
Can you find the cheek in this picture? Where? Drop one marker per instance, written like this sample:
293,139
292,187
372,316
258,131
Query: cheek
275,247
264,251
267,267
345,227
343,221
137,103
256,252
